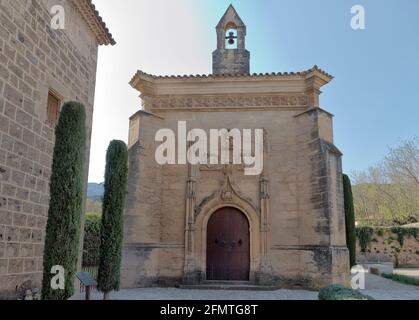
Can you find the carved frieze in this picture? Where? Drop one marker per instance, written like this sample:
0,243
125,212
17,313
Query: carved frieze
225,101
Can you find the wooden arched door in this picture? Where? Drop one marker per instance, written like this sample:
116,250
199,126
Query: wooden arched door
228,246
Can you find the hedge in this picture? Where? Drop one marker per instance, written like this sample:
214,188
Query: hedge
339,292
66,197
414,281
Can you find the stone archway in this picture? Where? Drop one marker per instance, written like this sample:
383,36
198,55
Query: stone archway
201,228
228,246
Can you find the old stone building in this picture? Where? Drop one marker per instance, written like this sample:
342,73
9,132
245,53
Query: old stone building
40,68
197,223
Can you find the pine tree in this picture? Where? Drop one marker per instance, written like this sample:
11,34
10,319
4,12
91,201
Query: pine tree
349,219
112,217
66,198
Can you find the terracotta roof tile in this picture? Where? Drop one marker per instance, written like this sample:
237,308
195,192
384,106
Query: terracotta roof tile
213,76
89,13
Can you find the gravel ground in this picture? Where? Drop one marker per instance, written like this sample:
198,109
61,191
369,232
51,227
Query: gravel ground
377,287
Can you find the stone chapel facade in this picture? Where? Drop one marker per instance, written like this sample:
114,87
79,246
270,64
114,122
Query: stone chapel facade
193,224
40,69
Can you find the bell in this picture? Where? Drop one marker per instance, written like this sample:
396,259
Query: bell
231,38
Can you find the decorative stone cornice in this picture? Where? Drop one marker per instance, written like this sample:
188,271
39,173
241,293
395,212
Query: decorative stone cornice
89,13
314,71
201,102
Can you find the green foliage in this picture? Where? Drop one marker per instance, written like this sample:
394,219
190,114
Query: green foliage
339,292
387,194
364,235
402,233
349,220
91,244
66,196
401,278
112,216
94,206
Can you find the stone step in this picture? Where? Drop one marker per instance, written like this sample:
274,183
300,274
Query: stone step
228,285
225,282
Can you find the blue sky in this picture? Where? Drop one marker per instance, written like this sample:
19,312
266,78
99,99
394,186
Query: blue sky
375,93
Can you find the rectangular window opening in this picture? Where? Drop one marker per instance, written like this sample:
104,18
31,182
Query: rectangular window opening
53,108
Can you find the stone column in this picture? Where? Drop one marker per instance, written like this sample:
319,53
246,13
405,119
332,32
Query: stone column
190,276
265,222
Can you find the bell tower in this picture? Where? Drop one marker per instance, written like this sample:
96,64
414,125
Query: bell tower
231,56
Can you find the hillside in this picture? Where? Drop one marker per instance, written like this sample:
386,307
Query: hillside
95,191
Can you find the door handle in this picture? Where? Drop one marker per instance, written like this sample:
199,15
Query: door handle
221,243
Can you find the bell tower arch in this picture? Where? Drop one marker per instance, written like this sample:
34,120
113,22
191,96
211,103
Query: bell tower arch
231,56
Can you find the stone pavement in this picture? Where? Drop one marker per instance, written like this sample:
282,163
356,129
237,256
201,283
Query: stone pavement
377,287
384,289
190,294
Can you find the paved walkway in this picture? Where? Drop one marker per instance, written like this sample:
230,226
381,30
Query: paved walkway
377,287
384,289
188,294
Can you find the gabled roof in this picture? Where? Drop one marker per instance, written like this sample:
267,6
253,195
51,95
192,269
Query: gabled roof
230,15
89,13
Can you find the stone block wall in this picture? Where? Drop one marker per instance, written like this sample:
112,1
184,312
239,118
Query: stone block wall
307,245
33,60
389,245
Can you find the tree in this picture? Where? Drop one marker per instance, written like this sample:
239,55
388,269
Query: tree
403,162
349,219
66,198
112,217
388,193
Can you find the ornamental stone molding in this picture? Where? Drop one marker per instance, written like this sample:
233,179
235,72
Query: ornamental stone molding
225,102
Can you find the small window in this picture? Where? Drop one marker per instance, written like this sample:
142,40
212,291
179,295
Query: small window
53,108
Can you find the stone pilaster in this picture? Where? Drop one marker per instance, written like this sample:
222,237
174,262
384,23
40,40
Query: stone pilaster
190,276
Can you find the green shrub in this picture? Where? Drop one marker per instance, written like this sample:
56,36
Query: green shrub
399,234
66,196
91,244
112,217
402,233
402,278
339,292
364,235
349,220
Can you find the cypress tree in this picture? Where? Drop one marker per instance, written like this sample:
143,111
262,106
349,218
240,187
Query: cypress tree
66,197
349,219
112,217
